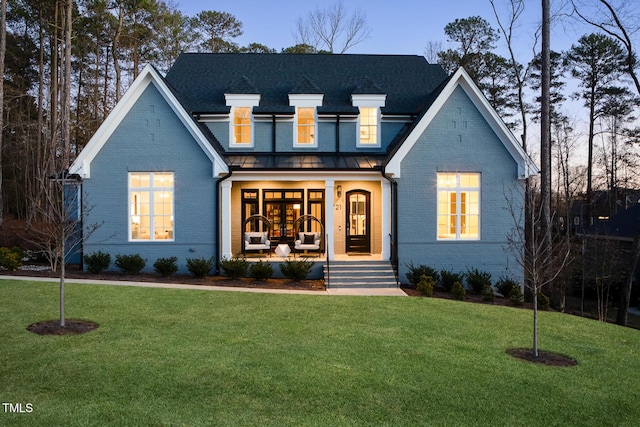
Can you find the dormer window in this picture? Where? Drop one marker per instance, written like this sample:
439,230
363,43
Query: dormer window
305,128
369,118
241,126
241,119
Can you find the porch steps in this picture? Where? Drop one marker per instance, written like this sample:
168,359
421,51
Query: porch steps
360,274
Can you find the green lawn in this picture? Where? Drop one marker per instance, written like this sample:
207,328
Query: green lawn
188,358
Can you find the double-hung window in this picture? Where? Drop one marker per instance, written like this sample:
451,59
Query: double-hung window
305,126
305,120
241,126
151,206
368,127
458,206
241,121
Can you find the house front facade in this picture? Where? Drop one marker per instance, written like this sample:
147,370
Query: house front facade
377,155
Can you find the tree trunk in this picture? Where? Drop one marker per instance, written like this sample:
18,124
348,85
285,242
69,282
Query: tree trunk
3,48
545,134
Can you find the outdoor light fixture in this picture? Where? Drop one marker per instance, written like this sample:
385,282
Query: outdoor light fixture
339,188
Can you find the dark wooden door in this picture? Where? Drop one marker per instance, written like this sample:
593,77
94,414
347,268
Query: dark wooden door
358,222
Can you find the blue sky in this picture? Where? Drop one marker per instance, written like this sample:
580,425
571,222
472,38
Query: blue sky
397,27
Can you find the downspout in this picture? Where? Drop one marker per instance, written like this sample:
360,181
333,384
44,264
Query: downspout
217,215
273,134
394,222
337,151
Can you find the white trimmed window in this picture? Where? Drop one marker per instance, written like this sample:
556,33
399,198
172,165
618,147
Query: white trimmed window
305,121
242,126
305,127
241,118
369,118
151,206
368,126
458,206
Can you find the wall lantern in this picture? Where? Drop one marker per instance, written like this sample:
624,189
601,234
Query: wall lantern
339,189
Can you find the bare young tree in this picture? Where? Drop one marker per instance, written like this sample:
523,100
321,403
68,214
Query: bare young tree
331,30
3,49
431,51
61,228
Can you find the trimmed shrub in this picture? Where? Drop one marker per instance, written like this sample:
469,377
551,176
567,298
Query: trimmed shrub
166,266
234,268
504,285
296,270
478,280
516,296
448,278
11,259
543,301
97,262
199,267
488,294
458,290
425,285
130,264
261,271
414,275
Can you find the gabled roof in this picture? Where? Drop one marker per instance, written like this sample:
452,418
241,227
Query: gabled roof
202,79
149,75
435,102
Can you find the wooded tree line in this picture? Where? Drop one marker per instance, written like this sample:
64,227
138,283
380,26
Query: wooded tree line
68,62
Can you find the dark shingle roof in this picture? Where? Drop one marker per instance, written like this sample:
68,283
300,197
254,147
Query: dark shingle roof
201,80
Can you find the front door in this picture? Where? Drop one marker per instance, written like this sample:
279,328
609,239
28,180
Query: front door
282,208
358,218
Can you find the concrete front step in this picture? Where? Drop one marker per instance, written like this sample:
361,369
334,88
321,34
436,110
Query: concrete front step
360,274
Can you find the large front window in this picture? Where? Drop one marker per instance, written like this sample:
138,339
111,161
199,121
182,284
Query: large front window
458,206
305,126
151,206
241,126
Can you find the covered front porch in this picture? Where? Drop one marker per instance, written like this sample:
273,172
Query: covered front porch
351,214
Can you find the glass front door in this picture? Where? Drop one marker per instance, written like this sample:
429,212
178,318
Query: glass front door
283,208
358,230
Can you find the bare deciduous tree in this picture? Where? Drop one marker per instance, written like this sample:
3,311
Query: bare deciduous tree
330,29
3,48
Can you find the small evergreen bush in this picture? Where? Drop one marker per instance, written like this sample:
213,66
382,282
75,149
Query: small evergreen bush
261,271
97,262
448,278
199,267
130,264
458,290
478,280
166,266
488,294
543,301
425,285
414,275
516,296
234,268
504,285
296,270
11,259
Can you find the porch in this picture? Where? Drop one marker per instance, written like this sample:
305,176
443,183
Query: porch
351,214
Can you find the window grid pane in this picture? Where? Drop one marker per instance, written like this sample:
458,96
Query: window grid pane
151,206
242,125
306,125
458,206
368,125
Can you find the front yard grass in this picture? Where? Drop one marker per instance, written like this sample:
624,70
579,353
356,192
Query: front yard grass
175,357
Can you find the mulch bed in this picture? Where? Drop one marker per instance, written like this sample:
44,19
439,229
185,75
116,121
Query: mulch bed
544,357
71,327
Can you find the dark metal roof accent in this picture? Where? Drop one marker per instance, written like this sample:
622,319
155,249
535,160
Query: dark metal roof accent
319,162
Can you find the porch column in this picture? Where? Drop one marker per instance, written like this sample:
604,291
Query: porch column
329,218
386,219
225,219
